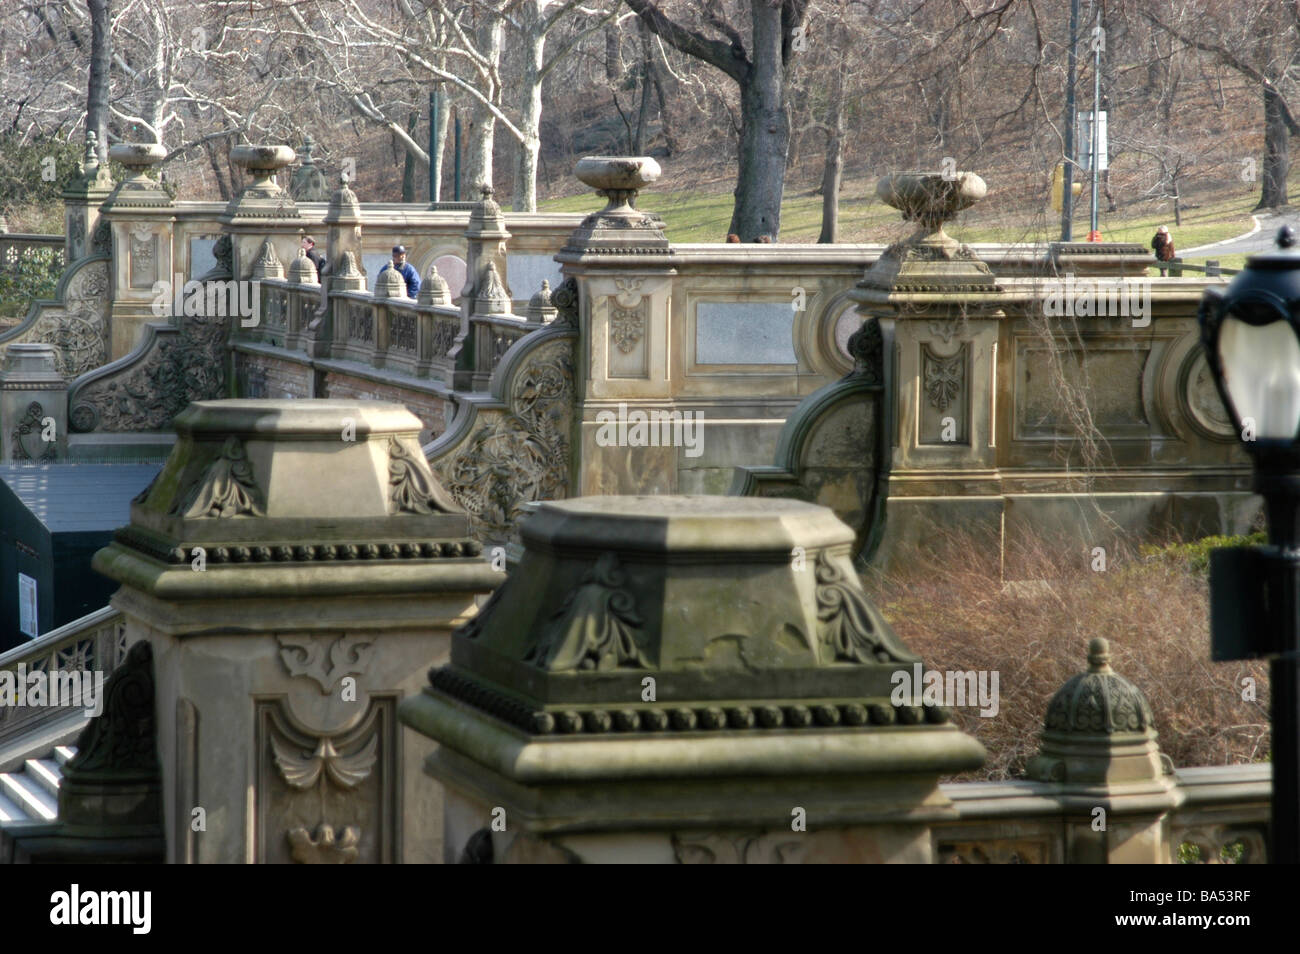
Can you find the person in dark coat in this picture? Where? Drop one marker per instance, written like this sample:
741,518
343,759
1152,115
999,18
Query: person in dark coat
406,269
1163,246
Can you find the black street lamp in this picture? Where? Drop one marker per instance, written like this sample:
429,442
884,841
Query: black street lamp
1251,335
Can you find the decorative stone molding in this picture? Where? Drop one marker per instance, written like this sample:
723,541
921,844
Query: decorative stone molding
262,198
414,488
851,628
305,656
137,190
626,327
496,458
75,322
597,627
492,297
945,378
27,443
143,391
226,489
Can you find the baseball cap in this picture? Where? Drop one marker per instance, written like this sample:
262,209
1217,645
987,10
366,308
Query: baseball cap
399,249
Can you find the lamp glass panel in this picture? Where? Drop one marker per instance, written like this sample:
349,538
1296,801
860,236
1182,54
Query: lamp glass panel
1261,373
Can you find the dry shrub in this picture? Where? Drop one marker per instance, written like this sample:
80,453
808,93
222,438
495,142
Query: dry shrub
1154,610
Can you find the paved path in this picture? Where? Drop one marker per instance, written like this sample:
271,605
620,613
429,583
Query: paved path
1260,240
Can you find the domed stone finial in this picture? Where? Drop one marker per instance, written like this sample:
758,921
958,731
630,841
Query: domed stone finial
1099,655
434,290
540,308
302,271
390,284
1098,728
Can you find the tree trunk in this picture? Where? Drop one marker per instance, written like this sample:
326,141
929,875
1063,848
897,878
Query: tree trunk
833,169
101,52
408,166
440,145
1277,152
764,133
524,198
482,124
647,88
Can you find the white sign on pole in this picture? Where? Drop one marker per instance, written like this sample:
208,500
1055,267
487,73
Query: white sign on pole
1085,142
27,619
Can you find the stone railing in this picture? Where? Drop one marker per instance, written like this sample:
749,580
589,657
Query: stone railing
94,643
1222,817
17,247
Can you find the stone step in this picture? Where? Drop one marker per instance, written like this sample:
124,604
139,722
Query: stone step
11,812
29,796
62,753
45,772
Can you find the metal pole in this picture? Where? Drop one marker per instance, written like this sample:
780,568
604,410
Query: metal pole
457,166
1067,196
435,166
1096,116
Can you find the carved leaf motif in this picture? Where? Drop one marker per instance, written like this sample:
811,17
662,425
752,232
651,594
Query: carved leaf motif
626,326
323,848
25,445
227,489
304,656
346,771
595,628
851,628
943,379
413,487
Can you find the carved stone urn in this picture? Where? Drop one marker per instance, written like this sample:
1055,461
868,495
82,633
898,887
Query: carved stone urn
620,226
138,189
930,199
659,674
263,197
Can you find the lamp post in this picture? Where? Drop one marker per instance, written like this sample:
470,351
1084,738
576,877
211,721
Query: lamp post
1251,335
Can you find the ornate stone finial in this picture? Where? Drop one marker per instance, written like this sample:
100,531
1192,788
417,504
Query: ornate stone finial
302,271
344,206
434,290
1099,655
308,183
492,297
348,277
268,264
1099,729
540,308
390,284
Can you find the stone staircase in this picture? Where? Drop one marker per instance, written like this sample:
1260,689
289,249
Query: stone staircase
32,794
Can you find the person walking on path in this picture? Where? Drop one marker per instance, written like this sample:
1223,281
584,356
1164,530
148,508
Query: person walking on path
1163,246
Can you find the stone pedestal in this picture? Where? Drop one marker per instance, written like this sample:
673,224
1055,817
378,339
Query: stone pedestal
142,228
619,270
33,405
256,218
296,568
684,678
1099,747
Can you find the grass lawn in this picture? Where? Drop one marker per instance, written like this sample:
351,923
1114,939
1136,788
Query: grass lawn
694,216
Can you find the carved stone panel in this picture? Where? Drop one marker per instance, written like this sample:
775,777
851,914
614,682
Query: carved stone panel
326,798
629,350
144,259
945,397
1108,380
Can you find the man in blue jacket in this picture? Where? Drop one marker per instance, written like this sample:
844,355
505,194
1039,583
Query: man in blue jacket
406,269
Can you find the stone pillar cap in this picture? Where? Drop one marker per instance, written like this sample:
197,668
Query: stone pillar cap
297,497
